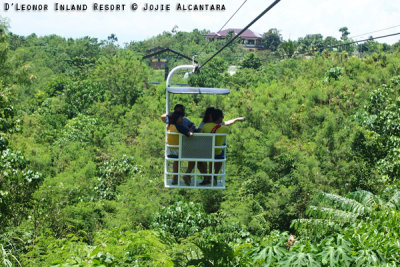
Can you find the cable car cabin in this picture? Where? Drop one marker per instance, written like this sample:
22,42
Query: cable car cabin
198,150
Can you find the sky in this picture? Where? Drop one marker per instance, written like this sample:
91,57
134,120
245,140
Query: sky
293,18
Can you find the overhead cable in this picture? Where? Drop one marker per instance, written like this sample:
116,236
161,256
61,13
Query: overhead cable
374,31
345,44
365,40
206,45
242,31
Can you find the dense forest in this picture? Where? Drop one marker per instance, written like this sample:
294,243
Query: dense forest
312,174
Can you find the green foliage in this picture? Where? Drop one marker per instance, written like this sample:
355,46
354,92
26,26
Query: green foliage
4,46
381,126
82,129
351,244
333,73
123,76
272,39
17,184
251,61
80,95
110,248
209,76
182,219
51,119
355,244
90,120
214,253
271,250
334,212
112,173
287,48
7,113
6,258
345,33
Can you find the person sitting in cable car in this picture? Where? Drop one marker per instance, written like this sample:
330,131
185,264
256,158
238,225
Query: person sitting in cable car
175,125
186,122
215,126
208,118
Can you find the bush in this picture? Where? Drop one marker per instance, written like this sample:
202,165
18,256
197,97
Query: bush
182,219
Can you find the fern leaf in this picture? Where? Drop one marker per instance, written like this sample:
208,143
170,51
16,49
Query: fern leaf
366,198
394,201
314,227
336,215
343,203
308,224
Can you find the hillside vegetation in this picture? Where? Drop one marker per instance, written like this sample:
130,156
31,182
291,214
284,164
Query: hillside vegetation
81,158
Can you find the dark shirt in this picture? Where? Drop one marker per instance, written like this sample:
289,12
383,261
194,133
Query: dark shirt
186,122
183,129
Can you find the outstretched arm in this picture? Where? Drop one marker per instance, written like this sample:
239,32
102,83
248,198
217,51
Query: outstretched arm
163,117
230,122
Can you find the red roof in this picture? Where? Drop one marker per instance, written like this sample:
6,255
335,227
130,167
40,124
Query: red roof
246,34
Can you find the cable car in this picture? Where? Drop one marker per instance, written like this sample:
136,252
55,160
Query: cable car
197,149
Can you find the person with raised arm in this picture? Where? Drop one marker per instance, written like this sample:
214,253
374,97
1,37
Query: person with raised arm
215,126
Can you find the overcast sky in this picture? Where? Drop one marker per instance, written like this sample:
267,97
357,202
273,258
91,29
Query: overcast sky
293,18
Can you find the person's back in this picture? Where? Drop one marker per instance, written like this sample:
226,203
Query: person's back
172,139
216,126
219,140
175,125
185,121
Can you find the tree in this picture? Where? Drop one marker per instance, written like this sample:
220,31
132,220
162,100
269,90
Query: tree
17,180
112,38
330,41
345,32
182,219
211,75
175,29
122,76
230,35
311,42
287,48
251,61
378,142
343,225
272,39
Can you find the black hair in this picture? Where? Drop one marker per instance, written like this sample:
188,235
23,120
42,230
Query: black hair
173,118
208,114
180,107
216,114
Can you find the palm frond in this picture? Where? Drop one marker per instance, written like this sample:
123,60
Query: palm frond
312,224
336,215
394,201
343,203
366,198
5,257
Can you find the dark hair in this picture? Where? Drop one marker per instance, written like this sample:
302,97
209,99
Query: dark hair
216,114
208,114
180,107
173,118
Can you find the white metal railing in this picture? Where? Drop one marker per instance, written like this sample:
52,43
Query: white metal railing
217,179
189,67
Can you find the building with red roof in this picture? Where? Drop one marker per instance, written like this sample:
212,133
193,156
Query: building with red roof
249,39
